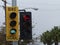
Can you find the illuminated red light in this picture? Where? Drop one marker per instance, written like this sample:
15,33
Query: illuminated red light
26,17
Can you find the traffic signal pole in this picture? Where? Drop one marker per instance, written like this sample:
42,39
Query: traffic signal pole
14,3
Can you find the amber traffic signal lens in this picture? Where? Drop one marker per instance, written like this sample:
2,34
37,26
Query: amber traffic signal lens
13,23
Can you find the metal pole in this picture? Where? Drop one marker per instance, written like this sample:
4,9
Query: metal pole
14,3
5,7
5,11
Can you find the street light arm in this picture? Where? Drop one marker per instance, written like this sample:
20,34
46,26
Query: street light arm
35,8
32,8
28,8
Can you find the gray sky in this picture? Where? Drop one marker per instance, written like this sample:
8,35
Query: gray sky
44,19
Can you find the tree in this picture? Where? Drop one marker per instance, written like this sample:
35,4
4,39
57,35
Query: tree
3,36
46,38
55,34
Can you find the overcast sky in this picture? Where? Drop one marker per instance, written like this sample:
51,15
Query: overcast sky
44,19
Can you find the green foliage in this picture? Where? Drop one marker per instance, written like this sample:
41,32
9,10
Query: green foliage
46,37
52,36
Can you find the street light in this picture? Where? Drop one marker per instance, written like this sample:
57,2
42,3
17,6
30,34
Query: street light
28,8
32,8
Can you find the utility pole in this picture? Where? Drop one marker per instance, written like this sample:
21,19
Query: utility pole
5,9
14,3
4,6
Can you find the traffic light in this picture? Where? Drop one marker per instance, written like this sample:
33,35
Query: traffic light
12,24
25,26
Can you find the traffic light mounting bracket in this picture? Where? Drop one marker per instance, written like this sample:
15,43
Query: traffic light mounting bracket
23,10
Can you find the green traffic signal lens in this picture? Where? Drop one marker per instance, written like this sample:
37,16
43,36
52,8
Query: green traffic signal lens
13,31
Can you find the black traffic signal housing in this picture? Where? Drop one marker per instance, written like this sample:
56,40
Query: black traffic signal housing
25,25
12,24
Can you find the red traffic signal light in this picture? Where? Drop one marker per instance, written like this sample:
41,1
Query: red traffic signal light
25,26
26,17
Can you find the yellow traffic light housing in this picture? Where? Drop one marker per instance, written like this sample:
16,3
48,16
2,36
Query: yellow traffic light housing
12,32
